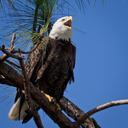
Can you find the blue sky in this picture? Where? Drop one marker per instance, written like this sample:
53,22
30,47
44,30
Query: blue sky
101,72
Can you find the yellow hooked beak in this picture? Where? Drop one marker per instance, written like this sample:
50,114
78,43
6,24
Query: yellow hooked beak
68,22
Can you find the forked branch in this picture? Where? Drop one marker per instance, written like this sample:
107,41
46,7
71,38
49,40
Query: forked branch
100,108
5,56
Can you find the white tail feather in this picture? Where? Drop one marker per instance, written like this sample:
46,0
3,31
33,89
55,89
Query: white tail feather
14,111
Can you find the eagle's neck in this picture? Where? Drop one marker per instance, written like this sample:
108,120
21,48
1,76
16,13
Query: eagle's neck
60,37
65,41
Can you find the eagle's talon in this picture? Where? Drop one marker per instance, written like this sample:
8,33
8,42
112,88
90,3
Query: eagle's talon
50,98
58,107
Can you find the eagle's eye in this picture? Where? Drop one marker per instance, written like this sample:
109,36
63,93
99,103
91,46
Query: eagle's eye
63,20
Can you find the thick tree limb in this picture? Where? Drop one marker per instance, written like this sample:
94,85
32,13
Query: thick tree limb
5,81
11,75
14,77
75,112
28,98
100,108
50,108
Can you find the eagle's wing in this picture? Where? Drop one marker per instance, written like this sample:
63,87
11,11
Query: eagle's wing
49,55
35,59
72,61
73,56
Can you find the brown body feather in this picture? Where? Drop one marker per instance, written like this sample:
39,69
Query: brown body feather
59,70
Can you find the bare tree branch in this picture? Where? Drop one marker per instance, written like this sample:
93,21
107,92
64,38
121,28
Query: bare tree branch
13,78
28,98
9,54
75,112
51,109
5,81
11,75
12,41
100,108
5,56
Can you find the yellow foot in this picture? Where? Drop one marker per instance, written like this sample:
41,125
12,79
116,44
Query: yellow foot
58,107
50,98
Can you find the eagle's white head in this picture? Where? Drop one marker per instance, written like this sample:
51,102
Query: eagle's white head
62,28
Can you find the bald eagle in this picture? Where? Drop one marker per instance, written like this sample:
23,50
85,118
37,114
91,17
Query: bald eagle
49,67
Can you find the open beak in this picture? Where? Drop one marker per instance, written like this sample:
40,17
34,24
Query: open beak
68,22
